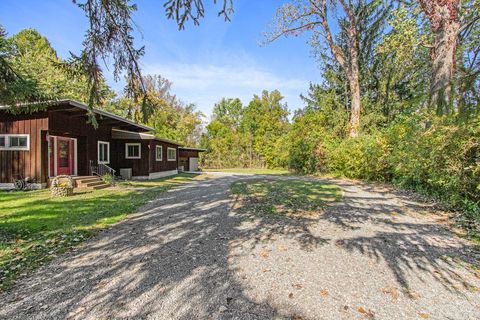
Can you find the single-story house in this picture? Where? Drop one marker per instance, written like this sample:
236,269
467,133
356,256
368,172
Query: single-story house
188,158
59,140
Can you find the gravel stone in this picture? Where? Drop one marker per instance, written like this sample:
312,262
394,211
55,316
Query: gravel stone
190,254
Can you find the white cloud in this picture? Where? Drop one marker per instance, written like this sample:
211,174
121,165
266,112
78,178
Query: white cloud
206,84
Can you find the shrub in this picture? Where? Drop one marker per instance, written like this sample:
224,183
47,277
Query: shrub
108,179
435,156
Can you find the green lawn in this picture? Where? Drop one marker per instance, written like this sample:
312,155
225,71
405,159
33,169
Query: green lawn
289,197
35,227
251,170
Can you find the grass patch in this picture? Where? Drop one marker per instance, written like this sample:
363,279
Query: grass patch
35,227
252,171
288,197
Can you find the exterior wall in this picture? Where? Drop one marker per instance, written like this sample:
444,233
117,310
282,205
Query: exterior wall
164,165
140,167
32,163
87,137
184,156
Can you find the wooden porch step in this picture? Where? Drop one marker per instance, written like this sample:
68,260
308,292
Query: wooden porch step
101,186
90,182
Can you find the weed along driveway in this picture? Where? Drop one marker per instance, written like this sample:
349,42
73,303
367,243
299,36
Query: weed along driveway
261,247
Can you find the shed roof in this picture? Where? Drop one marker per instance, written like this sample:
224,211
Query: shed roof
126,135
192,149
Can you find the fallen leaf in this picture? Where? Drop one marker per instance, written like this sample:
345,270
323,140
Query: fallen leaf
266,270
282,248
369,313
338,242
412,294
324,292
424,315
392,291
264,254
290,295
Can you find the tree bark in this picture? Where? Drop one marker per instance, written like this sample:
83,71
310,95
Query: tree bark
443,67
354,80
355,106
445,25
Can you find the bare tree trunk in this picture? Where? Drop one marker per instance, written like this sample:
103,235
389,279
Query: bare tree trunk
445,24
355,107
443,61
353,72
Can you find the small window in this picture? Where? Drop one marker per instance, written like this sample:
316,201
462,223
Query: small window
172,154
14,142
132,151
159,153
103,152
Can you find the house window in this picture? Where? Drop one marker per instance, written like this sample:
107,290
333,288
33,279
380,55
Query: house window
103,152
132,151
172,154
15,142
158,153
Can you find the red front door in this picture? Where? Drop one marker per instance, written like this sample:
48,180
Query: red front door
65,156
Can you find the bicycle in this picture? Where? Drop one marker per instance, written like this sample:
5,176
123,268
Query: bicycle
20,183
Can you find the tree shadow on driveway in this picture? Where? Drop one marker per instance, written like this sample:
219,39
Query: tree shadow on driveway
170,260
177,258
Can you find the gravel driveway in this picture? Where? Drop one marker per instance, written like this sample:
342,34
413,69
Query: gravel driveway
189,255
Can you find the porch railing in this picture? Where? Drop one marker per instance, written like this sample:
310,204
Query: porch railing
100,169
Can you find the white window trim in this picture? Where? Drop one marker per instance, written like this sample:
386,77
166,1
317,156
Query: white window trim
55,154
139,150
156,153
7,142
98,151
168,155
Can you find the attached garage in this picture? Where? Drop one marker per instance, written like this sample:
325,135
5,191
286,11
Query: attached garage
188,158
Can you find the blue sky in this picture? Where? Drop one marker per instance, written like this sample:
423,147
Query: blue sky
216,59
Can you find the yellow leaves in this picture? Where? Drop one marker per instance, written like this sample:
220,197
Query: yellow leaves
424,315
392,291
264,254
282,248
368,313
324,292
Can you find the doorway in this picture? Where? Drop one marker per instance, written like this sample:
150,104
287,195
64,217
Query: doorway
62,156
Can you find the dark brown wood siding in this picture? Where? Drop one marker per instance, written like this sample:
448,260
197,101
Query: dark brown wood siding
87,136
31,163
188,153
184,158
140,167
164,165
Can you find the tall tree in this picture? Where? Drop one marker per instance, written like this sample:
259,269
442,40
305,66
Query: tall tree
34,56
170,117
317,16
447,19
14,86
